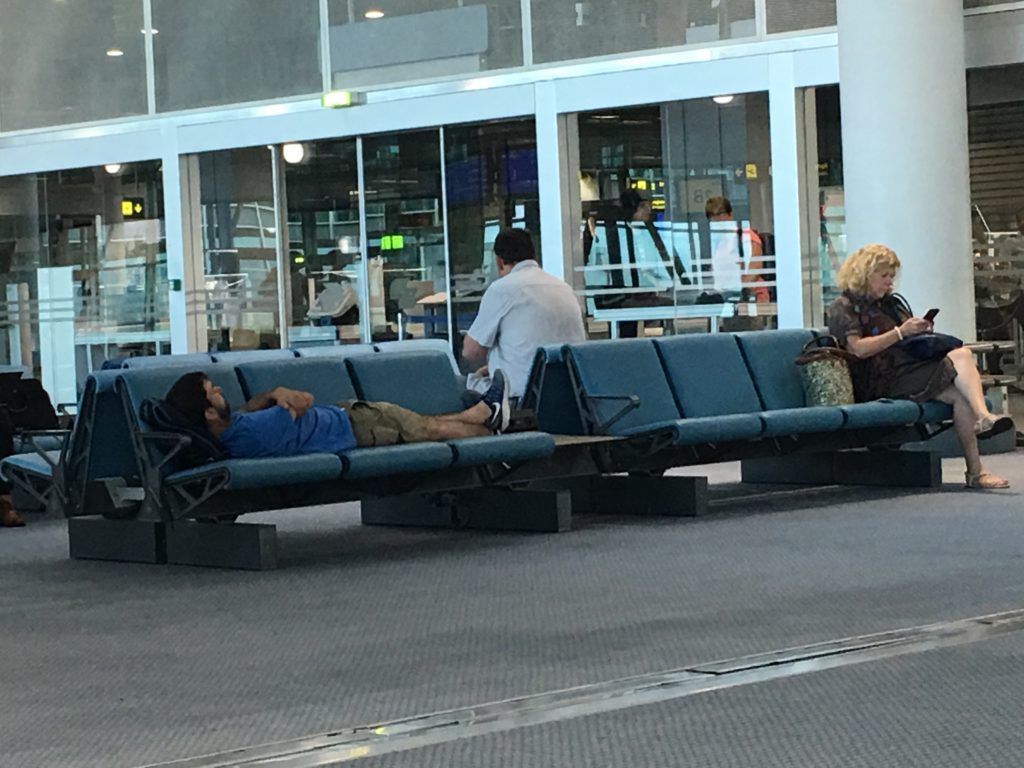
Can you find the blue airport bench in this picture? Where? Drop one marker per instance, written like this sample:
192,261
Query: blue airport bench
186,513
698,399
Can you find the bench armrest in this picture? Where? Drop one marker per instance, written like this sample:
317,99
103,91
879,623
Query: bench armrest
32,434
177,444
632,402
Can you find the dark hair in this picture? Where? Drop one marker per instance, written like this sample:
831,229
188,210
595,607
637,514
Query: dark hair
514,245
716,206
188,396
630,201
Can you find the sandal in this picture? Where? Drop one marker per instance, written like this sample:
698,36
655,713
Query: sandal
985,481
989,426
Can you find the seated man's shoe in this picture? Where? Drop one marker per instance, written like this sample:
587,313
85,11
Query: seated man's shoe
496,398
8,517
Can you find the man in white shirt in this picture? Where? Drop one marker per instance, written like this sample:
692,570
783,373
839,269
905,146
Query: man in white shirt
524,309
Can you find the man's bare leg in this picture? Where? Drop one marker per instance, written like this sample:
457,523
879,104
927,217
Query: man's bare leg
478,414
447,428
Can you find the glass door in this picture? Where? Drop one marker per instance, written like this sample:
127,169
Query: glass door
407,283
325,247
239,245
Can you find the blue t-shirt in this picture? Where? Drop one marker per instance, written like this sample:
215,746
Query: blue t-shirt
273,433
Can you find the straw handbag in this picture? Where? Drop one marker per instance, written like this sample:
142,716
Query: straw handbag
825,372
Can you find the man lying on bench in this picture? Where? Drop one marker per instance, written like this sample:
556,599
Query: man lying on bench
285,422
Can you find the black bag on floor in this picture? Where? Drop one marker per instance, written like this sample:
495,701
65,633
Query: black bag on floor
26,402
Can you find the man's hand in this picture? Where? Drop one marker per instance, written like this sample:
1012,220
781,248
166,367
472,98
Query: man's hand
294,401
483,372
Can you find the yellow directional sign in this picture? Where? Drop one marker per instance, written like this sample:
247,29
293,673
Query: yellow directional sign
133,207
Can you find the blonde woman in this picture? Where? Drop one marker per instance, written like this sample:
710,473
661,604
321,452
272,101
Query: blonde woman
870,323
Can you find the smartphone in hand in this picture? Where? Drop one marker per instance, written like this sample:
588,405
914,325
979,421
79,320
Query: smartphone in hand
930,314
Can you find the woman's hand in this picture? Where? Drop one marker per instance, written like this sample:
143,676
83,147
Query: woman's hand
915,326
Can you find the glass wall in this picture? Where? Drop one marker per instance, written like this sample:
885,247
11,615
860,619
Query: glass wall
407,271
793,15
677,217
830,216
325,250
403,272
83,270
239,245
579,30
375,42
491,182
232,51
67,62
995,121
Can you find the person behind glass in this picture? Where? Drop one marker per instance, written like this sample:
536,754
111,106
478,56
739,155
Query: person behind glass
870,323
642,248
736,252
9,517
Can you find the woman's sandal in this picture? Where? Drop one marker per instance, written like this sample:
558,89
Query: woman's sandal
988,426
986,481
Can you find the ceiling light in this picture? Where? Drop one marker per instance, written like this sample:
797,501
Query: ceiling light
724,99
114,52
113,168
150,31
374,13
293,153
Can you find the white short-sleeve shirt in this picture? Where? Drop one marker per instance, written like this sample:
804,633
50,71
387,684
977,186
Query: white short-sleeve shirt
525,309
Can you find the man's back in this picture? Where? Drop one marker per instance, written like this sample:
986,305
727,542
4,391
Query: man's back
525,309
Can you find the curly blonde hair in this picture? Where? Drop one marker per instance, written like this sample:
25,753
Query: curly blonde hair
861,264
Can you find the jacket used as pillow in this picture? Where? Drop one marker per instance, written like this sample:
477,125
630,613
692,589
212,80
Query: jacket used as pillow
202,447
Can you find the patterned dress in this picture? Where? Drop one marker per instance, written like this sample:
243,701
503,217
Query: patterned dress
893,372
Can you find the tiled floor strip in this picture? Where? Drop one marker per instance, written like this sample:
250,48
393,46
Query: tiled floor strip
412,733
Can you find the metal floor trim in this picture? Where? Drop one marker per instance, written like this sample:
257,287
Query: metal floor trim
350,744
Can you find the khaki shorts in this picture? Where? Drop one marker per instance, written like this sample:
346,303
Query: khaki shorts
384,423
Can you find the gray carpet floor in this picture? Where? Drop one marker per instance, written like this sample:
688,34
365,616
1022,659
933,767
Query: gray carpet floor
108,664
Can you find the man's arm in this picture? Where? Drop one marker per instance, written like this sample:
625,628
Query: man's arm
472,350
295,401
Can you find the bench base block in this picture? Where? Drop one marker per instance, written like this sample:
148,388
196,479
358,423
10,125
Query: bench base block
244,546
894,468
128,541
638,494
494,509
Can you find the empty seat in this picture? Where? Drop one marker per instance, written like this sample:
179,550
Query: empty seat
327,379
249,355
420,381
336,350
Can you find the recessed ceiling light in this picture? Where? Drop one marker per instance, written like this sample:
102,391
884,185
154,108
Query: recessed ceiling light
374,13
724,99
293,153
114,52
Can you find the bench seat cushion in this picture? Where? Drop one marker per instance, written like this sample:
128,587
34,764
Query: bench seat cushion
31,463
266,473
801,421
396,459
708,429
473,451
880,413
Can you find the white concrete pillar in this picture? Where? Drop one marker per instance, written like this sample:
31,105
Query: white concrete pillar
903,93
